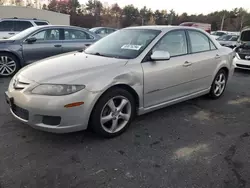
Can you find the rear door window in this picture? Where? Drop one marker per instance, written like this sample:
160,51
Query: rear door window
73,34
199,42
22,25
7,25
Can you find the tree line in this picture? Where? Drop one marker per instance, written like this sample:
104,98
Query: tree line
94,13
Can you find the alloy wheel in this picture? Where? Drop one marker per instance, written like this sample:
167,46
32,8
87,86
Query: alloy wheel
7,66
220,83
115,114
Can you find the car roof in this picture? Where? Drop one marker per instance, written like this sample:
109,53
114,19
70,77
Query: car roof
60,26
23,19
163,27
103,27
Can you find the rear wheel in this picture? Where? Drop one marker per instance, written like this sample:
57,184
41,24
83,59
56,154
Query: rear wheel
218,85
9,64
113,113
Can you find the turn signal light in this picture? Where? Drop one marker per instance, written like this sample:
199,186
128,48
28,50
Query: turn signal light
73,104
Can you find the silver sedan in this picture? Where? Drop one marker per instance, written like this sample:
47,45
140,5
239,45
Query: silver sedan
130,72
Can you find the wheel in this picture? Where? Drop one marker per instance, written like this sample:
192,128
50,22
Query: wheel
113,113
218,85
9,64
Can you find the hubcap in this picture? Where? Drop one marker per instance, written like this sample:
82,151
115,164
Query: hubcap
115,114
7,66
220,83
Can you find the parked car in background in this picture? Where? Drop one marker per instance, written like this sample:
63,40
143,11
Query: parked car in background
217,34
130,72
11,26
242,59
228,40
102,31
204,26
40,42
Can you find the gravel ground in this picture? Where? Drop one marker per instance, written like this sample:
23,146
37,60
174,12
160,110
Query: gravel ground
196,144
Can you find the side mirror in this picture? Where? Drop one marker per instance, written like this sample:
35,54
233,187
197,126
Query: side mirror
160,55
31,40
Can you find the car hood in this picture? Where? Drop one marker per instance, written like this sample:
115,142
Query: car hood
67,68
227,42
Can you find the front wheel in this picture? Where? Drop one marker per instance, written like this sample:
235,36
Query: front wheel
218,85
113,113
9,64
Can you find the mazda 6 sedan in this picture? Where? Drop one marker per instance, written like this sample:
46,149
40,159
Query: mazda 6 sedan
130,72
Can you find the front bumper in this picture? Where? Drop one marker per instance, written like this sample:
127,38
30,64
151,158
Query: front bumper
241,63
48,113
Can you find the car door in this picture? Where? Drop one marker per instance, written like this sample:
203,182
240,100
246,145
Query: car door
7,29
204,59
76,39
167,80
48,43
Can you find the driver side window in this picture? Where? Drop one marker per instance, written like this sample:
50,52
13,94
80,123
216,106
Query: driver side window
173,42
49,34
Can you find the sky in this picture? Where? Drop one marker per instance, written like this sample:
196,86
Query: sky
180,6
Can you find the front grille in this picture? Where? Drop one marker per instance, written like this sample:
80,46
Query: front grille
20,83
20,112
243,66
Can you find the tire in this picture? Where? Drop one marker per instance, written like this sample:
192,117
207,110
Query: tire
106,114
219,85
9,64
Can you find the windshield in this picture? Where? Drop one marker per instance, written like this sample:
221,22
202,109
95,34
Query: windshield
23,34
234,38
218,33
93,29
125,44
225,37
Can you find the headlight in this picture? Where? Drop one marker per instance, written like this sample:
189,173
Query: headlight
56,89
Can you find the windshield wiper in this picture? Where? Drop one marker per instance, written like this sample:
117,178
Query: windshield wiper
110,56
98,54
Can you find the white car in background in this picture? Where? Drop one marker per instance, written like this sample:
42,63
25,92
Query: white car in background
228,40
242,59
102,31
11,26
217,34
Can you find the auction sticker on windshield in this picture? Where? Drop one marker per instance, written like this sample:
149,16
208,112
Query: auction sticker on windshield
131,47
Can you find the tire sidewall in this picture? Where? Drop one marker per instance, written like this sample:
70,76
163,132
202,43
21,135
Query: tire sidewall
212,94
16,61
95,123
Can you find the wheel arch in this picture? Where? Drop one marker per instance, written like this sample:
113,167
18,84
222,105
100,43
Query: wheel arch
121,86
14,54
225,69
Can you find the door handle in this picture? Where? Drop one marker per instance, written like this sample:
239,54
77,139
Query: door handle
187,64
217,56
87,44
11,33
57,45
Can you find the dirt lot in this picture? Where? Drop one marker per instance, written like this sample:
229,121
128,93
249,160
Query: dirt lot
196,144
